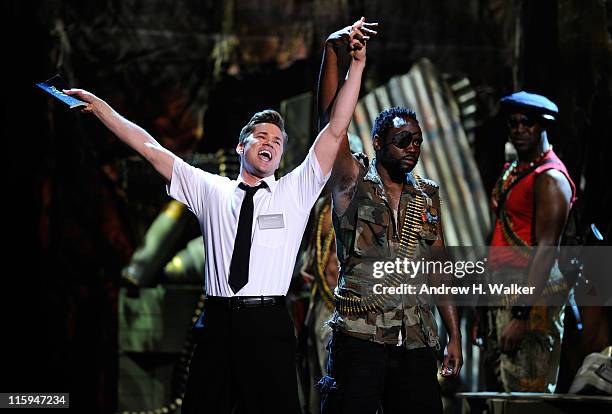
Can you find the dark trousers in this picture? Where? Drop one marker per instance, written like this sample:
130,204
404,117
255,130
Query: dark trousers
364,376
244,359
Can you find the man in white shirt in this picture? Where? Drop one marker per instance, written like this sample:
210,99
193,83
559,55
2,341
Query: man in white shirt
252,229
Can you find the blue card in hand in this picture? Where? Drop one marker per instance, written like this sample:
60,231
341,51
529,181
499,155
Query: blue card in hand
54,87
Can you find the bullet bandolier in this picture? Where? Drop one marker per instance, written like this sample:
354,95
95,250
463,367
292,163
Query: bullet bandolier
367,232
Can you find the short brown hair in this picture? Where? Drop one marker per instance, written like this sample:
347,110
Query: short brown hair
268,116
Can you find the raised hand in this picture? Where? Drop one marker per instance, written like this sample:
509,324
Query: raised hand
357,39
128,132
361,31
92,100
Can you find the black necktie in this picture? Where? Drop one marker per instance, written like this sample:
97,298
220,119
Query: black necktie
239,266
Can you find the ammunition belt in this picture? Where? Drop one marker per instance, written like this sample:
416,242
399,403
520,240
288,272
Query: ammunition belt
552,288
353,306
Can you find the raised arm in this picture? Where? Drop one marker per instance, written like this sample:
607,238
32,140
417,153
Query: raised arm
345,167
328,85
128,132
329,75
330,138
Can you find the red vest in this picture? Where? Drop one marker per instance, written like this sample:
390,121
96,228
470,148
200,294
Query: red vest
520,208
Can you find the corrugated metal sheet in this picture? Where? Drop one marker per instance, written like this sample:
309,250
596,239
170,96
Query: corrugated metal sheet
446,156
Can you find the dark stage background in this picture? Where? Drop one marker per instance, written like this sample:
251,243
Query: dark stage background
192,72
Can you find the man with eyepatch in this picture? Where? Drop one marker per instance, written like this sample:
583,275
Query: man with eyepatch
531,199
383,350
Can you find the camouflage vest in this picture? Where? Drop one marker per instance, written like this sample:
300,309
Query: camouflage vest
368,232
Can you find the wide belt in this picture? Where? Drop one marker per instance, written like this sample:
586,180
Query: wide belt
237,302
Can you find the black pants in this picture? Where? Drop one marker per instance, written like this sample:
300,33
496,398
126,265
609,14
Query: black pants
364,376
243,357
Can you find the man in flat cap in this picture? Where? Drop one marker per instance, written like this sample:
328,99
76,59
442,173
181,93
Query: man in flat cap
531,200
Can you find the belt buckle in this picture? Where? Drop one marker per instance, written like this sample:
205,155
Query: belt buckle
251,302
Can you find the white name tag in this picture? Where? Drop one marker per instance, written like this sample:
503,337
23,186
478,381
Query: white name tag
271,221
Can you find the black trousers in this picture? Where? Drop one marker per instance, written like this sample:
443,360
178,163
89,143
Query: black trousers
364,376
244,359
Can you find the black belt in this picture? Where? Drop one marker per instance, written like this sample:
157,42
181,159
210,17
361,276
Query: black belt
237,302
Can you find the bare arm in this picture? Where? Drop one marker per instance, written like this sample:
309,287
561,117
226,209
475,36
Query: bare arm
330,138
329,75
453,358
553,194
128,132
345,167
552,201
328,83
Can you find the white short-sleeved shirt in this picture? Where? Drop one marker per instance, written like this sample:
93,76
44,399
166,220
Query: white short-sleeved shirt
279,218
